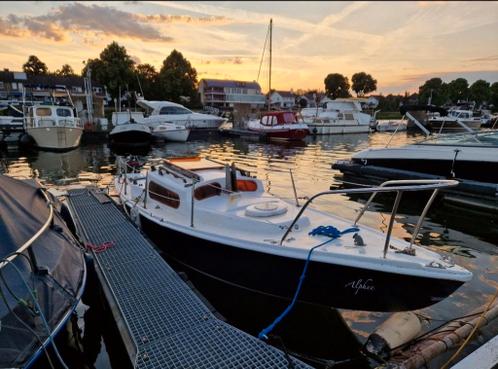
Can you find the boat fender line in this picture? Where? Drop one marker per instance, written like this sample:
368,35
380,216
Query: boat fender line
331,232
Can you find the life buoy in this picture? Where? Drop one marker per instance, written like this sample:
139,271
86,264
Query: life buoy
266,209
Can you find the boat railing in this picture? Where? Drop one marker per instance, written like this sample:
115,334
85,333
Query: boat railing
397,186
28,243
53,122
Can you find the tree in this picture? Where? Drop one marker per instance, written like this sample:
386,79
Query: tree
34,66
363,83
494,95
435,87
479,91
337,85
458,89
148,77
178,78
65,71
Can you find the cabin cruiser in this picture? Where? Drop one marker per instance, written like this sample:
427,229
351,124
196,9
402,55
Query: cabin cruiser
52,127
218,221
468,156
130,134
337,117
279,126
43,273
450,123
167,131
169,112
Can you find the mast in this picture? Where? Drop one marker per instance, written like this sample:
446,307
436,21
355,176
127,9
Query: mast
269,72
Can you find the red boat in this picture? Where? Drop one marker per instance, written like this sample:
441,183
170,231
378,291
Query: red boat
279,125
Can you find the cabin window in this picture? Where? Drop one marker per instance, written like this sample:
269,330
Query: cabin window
43,112
246,185
207,191
163,195
264,121
348,116
170,110
63,112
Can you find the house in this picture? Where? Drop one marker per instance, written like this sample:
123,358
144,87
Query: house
283,99
45,87
226,94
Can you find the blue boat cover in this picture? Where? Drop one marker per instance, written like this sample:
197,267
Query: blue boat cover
53,273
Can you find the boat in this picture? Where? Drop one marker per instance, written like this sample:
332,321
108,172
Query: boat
452,122
130,134
11,122
465,156
52,127
160,112
43,273
218,222
391,125
279,126
338,116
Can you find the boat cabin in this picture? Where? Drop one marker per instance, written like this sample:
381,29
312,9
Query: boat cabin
51,116
280,118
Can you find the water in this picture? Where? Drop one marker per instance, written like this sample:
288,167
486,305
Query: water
469,238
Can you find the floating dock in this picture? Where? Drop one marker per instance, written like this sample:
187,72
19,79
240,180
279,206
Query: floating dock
162,322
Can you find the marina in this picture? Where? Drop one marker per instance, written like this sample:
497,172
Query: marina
248,185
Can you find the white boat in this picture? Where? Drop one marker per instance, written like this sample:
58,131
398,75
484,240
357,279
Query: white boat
160,112
391,125
450,123
337,116
165,130
53,127
11,123
130,134
218,222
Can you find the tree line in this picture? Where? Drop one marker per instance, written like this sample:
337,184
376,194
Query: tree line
114,68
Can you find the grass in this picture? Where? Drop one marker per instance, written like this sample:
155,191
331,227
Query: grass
388,115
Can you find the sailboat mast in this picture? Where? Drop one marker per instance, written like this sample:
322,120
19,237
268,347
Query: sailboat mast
269,73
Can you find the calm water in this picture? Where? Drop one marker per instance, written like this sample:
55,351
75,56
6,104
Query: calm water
470,238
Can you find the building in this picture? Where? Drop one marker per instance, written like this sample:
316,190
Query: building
226,94
45,87
283,99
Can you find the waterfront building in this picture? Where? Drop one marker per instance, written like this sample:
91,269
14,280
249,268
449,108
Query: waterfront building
283,99
227,94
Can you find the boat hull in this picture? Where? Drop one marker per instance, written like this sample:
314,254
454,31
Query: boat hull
176,135
327,285
56,138
128,135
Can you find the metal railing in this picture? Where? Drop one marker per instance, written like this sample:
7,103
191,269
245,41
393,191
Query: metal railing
398,186
29,242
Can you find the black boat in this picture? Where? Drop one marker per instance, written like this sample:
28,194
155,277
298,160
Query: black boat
218,222
42,273
130,134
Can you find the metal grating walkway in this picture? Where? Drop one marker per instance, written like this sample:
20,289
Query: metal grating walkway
169,325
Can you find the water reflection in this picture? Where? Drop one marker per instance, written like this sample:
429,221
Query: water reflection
468,237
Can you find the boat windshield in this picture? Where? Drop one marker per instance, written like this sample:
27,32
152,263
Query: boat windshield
465,139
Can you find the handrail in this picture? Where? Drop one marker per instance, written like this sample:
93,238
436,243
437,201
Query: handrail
395,131
421,185
29,242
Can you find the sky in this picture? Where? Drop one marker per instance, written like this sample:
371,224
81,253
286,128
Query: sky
401,44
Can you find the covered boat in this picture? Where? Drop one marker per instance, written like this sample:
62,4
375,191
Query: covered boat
43,273
279,125
218,222
130,134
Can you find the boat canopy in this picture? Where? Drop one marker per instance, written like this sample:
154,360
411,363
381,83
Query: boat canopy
278,117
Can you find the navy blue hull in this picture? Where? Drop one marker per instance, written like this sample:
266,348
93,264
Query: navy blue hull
326,285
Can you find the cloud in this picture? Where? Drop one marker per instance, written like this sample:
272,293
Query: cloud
490,58
79,18
186,19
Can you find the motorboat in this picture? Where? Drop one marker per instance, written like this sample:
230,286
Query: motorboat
337,116
130,134
279,126
11,122
160,112
391,125
52,127
165,130
43,273
466,156
217,221
452,122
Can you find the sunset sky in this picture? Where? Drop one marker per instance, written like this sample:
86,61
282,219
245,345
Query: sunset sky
400,43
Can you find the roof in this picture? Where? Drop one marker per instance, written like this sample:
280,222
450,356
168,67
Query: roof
230,83
46,80
284,93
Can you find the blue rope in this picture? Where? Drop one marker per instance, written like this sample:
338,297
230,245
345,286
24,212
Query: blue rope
329,231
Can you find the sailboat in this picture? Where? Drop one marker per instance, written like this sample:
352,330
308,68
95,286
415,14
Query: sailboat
278,125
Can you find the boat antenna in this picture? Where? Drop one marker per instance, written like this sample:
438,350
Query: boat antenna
140,86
